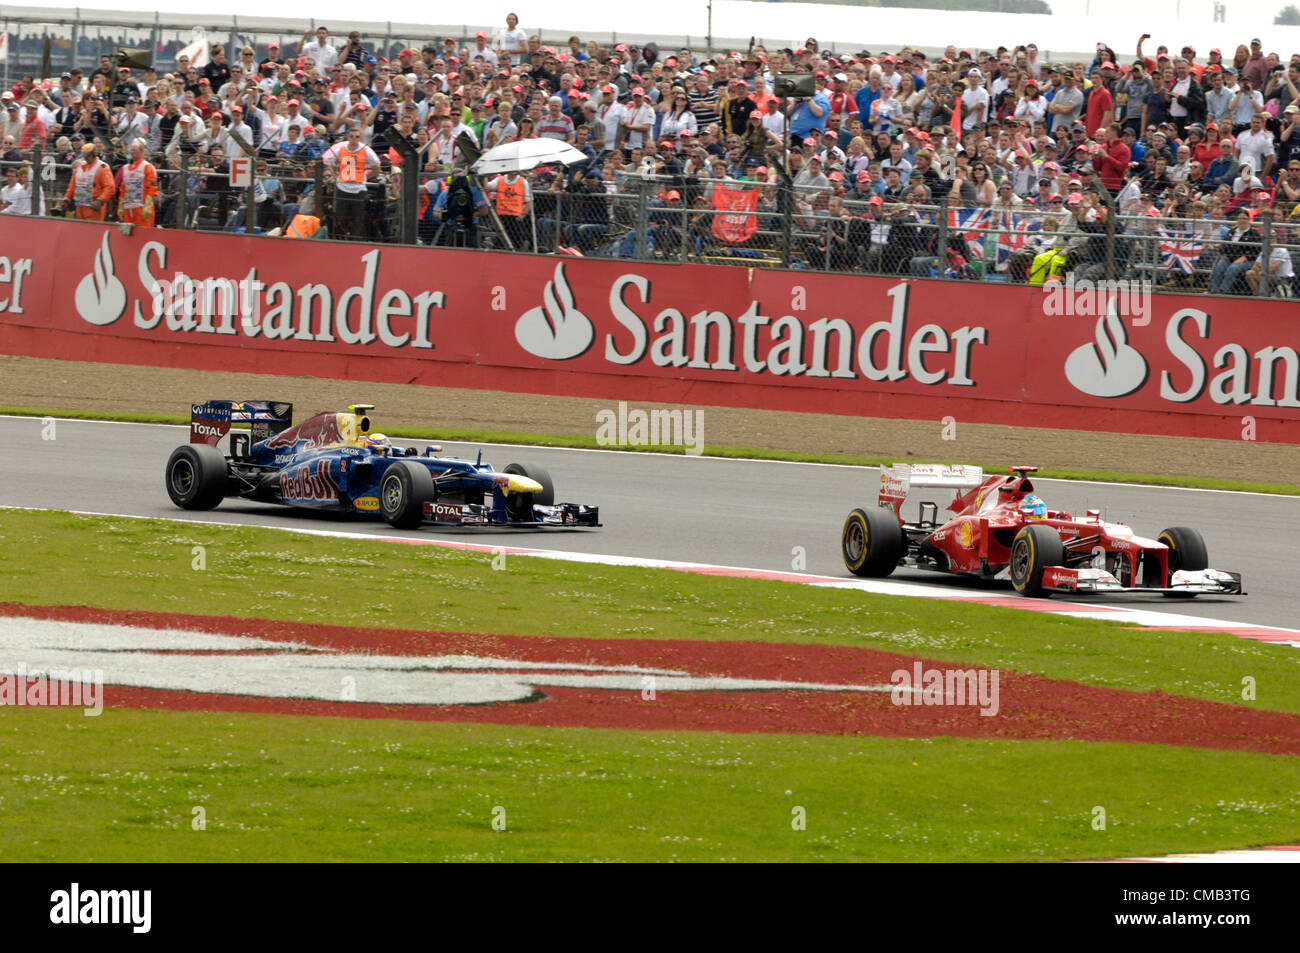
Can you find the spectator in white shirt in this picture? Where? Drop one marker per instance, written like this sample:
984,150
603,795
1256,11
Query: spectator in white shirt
1256,146
320,52
512,40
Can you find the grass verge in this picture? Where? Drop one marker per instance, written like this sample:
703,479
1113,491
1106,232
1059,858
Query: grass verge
588,442
64,559
133,786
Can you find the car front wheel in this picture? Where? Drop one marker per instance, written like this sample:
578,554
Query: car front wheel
403,491
1034,549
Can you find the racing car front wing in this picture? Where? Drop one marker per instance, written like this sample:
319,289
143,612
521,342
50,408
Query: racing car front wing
477,514
1186,582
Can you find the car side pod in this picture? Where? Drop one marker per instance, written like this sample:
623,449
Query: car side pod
872,542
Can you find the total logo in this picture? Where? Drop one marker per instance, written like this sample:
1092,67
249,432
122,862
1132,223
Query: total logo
1111,367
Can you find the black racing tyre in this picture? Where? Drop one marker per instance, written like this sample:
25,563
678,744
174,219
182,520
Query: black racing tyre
872,542
1033,549
520,505
403,491
1186,551
196,476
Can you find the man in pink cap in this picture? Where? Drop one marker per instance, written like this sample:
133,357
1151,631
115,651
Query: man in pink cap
637,121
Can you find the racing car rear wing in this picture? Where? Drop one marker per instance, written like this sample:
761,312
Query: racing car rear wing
211,420
896,481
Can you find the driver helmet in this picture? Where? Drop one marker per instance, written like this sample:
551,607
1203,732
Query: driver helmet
1033,508
378,443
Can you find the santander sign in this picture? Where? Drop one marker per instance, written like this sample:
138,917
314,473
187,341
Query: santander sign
253,304
891,349
783,340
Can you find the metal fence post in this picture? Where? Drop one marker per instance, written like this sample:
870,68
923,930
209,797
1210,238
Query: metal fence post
941,240
1111,212
182,190
642,218
1265,253
685,235
318,191
35,188
785,196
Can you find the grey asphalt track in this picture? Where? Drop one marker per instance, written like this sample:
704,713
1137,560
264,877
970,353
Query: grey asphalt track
699,509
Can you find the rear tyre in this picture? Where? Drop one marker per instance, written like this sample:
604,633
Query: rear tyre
1186,551
871,542
1034,549
403,491
196,476
521,505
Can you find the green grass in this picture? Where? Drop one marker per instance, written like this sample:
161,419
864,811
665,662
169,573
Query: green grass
585,441
124,786
60,558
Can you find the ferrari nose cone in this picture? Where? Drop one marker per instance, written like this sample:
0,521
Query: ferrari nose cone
522,484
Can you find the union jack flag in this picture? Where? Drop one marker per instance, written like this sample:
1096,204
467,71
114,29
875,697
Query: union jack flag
1015,231
971,224
1180,247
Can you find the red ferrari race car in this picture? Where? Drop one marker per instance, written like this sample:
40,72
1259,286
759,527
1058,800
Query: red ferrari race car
999,528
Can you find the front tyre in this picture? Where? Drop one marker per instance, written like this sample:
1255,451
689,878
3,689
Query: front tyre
1186,551
871,542
403,491
1034,549
196,476
520,505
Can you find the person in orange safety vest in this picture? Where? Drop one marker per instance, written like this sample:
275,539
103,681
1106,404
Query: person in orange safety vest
91,187
513,202
139,188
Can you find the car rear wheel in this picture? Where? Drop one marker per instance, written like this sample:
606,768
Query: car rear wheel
196,476
871,542
1186,551
1034,549
520,505
403,491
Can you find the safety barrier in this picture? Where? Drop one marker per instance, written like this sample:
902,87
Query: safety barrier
1062,355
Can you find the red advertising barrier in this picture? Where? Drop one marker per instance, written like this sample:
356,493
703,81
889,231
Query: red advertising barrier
1067,357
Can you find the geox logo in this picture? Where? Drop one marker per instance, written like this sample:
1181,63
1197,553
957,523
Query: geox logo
77,906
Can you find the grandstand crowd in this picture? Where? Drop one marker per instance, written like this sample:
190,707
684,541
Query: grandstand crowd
1052,156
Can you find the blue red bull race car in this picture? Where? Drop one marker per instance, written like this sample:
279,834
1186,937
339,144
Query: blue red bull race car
334,462
999,528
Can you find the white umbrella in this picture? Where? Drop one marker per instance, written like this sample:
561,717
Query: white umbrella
526,154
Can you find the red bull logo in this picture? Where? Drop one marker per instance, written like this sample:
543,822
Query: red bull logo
309,483
312,434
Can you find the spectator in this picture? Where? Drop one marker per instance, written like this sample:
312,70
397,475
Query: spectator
319,51
1255,146
350,164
